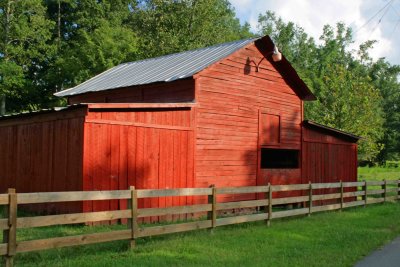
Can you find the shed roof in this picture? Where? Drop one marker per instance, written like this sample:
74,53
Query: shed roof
175,67
336,132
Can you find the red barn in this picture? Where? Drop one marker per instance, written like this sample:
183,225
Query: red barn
226,115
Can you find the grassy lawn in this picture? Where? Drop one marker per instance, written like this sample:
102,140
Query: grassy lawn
378,173
324,239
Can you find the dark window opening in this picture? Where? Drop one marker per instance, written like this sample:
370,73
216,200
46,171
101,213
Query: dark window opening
279,158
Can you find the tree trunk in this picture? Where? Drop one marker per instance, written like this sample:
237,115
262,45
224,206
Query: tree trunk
6,29
2,105
59,24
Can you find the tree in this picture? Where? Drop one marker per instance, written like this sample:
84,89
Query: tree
347,98
25,33
385,77
91,37
166,27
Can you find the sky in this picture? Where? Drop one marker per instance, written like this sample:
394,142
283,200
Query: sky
370,19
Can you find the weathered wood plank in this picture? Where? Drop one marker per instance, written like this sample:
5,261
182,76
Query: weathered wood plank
375,200
392,189
326,207
173,192
50,197
242,219
242,190
58,242
375,192
174,210
4,224
375,183
289,213
392,182
3,249
326,185
326,196
354,194
3,199
174,228
392,198
289,200
352,184
242,204
353,204
290,187
39,221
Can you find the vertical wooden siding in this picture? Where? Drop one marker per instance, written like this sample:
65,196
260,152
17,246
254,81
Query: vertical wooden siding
230,95
42,156
327,158
118,155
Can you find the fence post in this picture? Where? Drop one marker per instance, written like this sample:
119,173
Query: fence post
398,189
10,235
365,193
133,222
212,199
341,195
384,186
269,204
310,198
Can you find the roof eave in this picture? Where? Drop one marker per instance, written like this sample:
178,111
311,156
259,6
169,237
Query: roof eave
331,129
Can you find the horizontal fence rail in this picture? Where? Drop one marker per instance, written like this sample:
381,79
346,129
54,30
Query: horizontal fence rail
267,205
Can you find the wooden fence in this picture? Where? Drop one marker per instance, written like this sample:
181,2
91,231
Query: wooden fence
361,194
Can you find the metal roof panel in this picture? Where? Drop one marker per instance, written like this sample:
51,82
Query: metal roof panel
161,69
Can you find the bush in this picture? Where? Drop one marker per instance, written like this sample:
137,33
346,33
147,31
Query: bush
392,164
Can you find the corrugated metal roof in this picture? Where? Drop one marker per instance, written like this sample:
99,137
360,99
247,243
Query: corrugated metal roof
161,69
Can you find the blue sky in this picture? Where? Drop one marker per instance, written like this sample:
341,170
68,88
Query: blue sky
370,19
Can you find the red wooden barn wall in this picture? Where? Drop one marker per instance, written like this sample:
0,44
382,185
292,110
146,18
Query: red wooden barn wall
147,148
326,157
99,149
231,98
42,153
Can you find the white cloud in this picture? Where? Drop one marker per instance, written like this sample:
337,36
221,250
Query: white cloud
312,15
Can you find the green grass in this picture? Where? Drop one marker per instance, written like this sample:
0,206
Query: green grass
378,173
324,239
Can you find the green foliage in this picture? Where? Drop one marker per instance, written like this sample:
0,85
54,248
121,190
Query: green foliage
97,39
166,27
348,99
24,42
392,164
385,77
